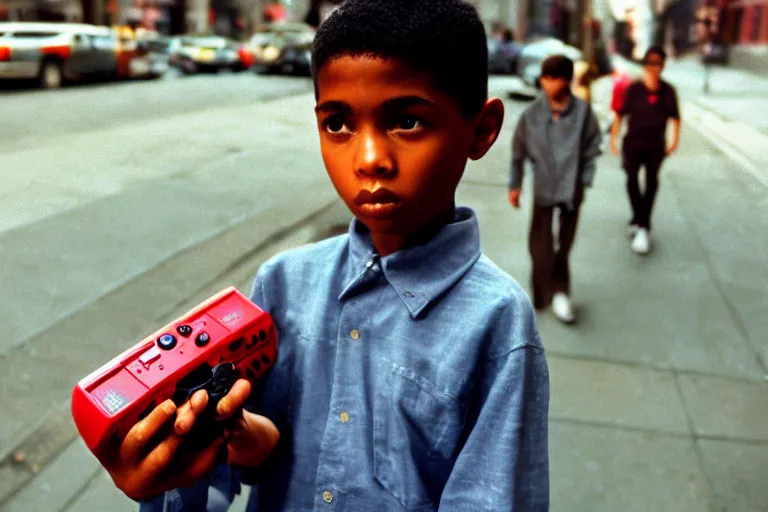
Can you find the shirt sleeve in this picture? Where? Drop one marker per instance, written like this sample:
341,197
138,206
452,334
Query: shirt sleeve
590,148
673,109
518,155
504,464
626,106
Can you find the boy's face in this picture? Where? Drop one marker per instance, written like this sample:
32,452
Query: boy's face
654,65
554,88
394,146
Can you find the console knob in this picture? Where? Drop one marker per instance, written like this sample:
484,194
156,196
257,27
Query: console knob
166,341
184,330
202,339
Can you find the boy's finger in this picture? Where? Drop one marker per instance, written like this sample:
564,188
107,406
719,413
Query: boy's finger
189,412
159,458
235,399
142,432
201,465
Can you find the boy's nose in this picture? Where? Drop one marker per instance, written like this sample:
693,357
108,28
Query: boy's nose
374,157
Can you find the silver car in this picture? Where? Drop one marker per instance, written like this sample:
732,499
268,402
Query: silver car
192,54
54,52
533,54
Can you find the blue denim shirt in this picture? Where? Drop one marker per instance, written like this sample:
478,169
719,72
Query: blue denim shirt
416,381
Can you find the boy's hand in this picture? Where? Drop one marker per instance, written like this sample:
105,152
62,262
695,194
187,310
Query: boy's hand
148,461
250,438
671,149
514,197
614,145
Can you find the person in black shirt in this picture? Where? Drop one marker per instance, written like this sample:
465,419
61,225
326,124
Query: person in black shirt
649,104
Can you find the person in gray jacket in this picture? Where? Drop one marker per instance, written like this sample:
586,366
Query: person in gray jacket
560,135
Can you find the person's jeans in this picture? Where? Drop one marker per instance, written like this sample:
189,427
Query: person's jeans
550,272
213,493
642,202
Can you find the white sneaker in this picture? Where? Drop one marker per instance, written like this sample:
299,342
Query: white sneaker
561,307
641,244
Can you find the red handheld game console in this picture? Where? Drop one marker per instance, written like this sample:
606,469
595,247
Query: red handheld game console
223,338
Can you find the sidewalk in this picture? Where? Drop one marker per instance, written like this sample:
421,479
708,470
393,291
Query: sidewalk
659,400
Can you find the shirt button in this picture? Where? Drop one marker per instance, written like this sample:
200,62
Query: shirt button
344,416
409,295
354,334
327,497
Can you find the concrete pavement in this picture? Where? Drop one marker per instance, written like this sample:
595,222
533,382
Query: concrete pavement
659,399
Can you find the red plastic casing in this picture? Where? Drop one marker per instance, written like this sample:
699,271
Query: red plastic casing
109,401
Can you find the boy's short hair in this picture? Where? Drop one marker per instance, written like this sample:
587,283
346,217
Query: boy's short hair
557,66
445,38
655,50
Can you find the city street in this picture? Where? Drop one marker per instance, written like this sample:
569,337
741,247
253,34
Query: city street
123,205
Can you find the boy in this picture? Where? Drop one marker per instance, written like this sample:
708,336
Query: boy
410,373
561,136
650,104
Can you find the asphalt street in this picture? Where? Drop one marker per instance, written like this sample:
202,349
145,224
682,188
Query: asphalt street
123,205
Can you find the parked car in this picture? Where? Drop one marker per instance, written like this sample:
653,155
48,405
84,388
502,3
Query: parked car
54,52
141,55
502,57
283,47
535,52
193,54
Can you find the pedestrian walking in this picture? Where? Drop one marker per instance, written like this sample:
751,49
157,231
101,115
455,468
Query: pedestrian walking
560,135
650,104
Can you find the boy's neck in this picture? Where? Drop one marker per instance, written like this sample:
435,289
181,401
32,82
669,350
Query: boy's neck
390,244
560,103
652,82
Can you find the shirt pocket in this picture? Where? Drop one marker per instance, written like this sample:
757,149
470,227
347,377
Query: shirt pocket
416,433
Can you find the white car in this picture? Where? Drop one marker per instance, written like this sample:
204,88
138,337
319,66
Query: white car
54,52
536,52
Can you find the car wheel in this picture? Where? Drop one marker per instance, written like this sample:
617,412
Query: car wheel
51,76
188,67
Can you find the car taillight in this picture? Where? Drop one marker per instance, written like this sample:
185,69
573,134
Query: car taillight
5,54
58,51
246,57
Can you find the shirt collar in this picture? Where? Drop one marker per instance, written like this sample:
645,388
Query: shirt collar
568,109
421,274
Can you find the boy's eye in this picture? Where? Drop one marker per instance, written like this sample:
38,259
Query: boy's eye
408,123
335,124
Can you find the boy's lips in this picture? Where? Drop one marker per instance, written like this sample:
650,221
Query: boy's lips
379,204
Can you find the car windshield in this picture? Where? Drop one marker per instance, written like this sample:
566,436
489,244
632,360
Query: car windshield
206,42
35,35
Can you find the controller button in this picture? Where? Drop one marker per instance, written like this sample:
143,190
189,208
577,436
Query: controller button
202,339
265,359
256,365
184,330
236,344
250,374
166,341
262,335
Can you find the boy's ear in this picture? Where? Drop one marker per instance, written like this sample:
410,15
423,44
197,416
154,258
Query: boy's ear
490,121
